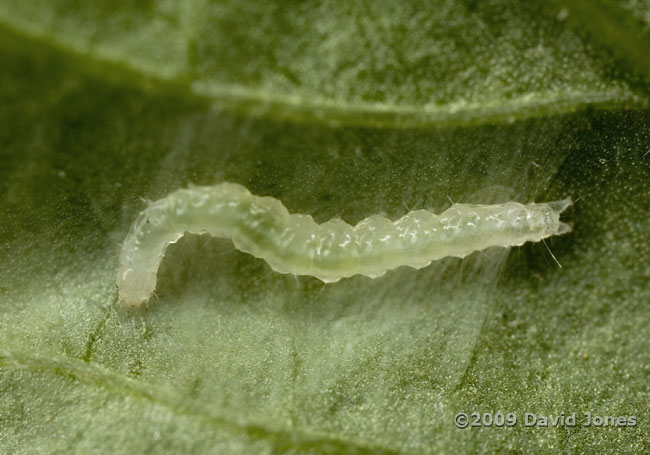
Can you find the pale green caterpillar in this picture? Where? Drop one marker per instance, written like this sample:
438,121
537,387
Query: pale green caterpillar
294,243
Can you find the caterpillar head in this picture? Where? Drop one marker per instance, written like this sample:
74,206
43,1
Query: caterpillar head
136,286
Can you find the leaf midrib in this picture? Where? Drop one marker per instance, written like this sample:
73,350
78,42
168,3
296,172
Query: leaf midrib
319,110
95,374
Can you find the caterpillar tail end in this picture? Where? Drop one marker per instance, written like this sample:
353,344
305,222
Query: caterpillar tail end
564,228
559,207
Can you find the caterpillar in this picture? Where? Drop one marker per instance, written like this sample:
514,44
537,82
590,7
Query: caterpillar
295,243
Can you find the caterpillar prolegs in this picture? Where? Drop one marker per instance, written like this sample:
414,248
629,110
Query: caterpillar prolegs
295,243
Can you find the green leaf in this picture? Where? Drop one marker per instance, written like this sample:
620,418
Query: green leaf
623,26
336,109
409,63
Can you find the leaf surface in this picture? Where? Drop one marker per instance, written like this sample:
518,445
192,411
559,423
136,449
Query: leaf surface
336,110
